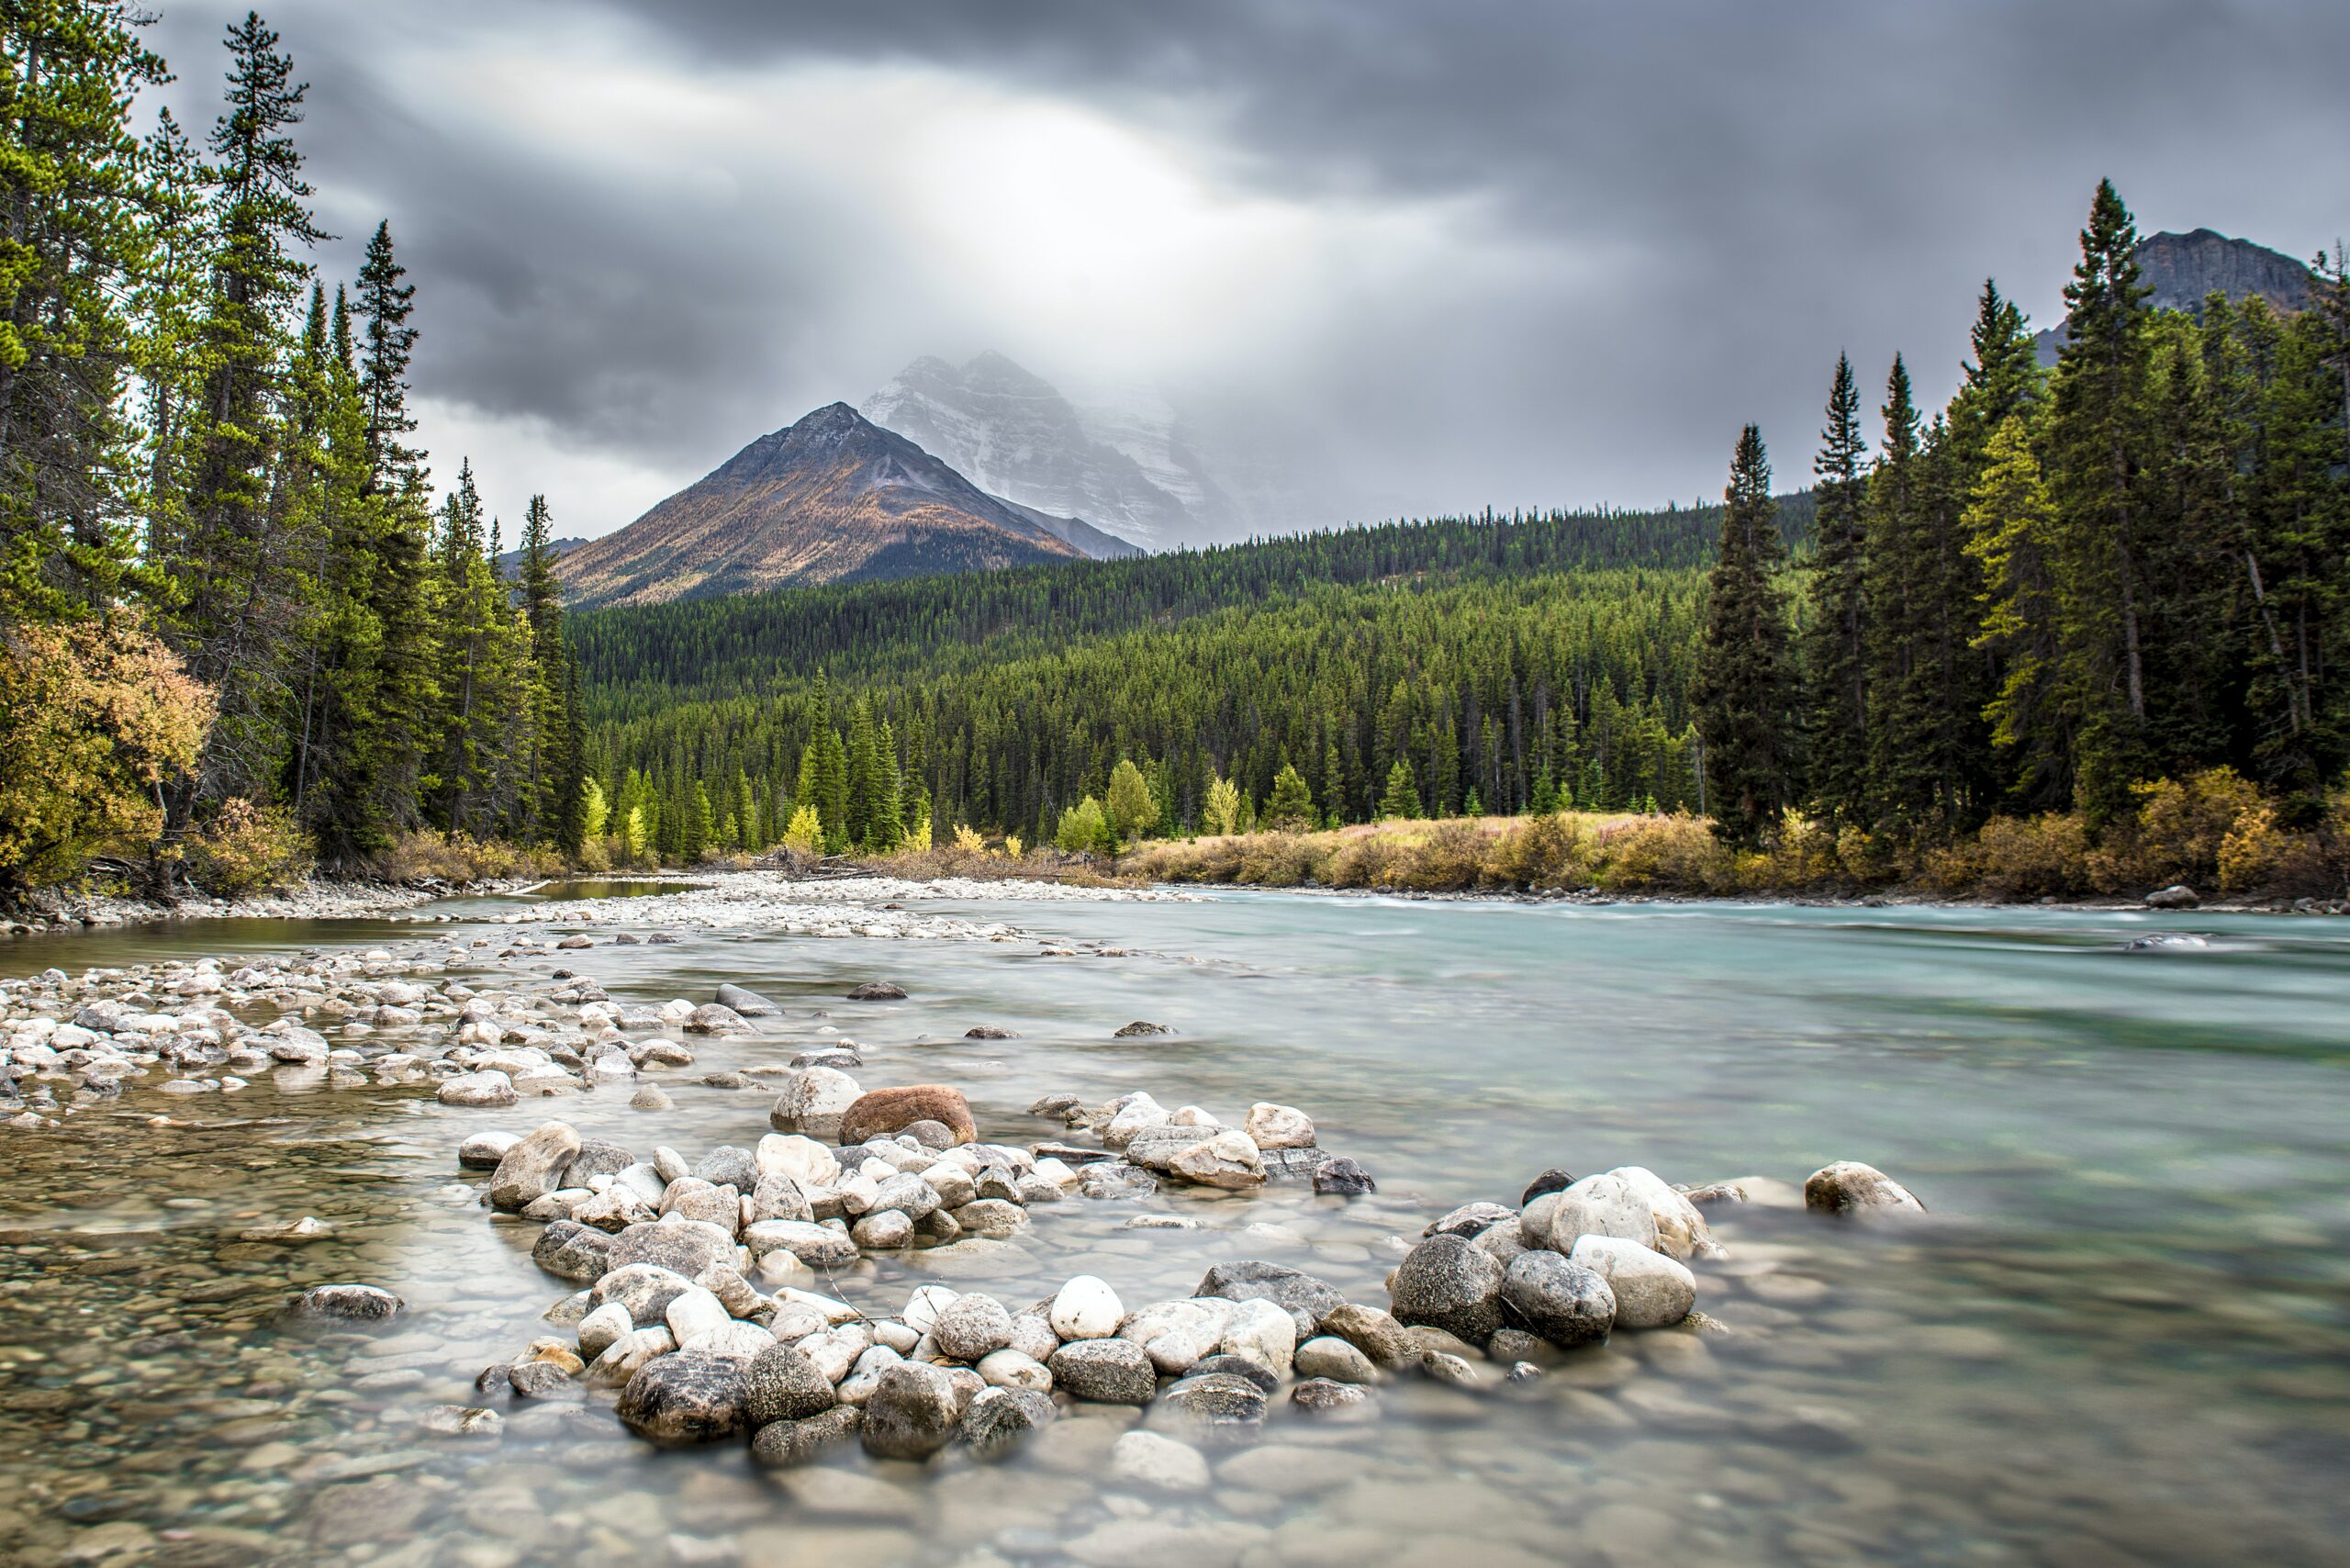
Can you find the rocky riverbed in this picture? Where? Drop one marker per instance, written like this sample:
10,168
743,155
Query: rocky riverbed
2082,1355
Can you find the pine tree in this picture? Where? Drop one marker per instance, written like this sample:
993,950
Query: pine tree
1132,810
1743,694
2011,529
1835,642
1290,807
2096,458
384,304
1400,800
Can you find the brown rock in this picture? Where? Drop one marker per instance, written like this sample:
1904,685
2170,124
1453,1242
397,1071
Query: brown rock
882,1112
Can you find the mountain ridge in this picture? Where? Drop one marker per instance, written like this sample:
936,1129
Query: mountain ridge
2182,270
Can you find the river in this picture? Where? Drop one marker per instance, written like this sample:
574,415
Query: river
2122,1335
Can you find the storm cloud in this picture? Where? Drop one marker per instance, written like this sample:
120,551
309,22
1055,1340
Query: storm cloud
1462,254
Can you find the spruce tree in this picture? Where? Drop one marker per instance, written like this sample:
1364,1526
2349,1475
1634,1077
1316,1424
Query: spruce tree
384,306
1400,800
1743,694
1835,641
1290,807
2011,527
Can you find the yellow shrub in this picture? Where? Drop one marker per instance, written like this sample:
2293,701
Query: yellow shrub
2253,853
968,839
2177,833
2028,857
1672,854
1541,851
247,848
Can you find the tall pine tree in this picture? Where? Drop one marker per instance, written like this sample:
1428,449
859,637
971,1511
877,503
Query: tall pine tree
1744,692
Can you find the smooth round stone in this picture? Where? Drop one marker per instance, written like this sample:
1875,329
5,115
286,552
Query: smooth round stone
489,1090
1032,1336
1328,1356
1241,1366
1086,1308
818,1246
1552,1180
1146,1459
803,1160
1104,1371
1305,1297
1849,1187
353,1304
485,1150
1322,1396
687,1397
1009,1368
602,1325
1375,1333
694,1311
911,1413
729,1166
972,1328
1447,1283
1342,1178
883,1230
1177,1334
644,1290
1566,1303
1605,1205
1261,1331
782,1445
1213,1399
1471,1220
687,1247
1651,1289
994,1218
782,1384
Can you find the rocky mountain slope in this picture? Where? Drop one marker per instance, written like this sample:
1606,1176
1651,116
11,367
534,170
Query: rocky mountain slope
832,498
2182,269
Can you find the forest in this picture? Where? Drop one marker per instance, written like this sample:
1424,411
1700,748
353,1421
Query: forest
237,632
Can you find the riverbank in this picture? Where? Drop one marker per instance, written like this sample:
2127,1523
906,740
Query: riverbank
324,898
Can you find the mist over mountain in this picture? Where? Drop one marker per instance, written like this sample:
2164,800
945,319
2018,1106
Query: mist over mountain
832,498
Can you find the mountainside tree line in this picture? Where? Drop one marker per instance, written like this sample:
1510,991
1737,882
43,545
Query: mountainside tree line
2058,592
1500,662
235,628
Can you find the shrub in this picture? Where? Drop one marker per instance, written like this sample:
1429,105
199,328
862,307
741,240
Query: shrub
806,832
1451,858
426,856
968,839
2177,833
1369,860
1276,861
1084,829
2253,853
1542,852
247,848
1676,854
2019,858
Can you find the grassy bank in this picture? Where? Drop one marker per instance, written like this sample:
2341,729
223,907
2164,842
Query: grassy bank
2213,833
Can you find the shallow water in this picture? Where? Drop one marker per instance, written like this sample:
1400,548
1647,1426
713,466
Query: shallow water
2124,1337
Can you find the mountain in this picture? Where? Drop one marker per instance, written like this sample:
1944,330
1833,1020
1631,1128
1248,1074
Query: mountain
511,563
834,499
1131,458
2182,269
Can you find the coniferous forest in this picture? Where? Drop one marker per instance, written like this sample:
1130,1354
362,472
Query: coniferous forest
243,634
241,631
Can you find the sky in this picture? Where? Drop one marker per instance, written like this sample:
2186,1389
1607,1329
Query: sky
1450,255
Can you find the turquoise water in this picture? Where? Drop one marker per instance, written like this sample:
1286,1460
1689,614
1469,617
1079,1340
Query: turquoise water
2122,1336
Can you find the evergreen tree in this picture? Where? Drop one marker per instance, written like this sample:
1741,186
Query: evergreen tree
1132,810
2011,529
1743,695
1290,807
1835,641
385,304
2096,458
1400,800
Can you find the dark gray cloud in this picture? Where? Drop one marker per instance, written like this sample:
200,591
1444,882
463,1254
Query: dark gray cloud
1537,251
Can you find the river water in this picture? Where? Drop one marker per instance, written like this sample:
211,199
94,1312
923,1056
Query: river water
2122,1335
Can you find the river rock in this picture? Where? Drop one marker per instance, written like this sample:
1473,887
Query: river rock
650,1097
818,1246
1849,1187
602,1325
911,1413
1446,1283
1139,1029
908,1194
1278,1126
996,1219
1567,1303
1605,1204
1552,1180
690,1197
710,1018
596,1157
483,1150
813,1096
1342,1178
490,1089
1214,1400
1651,1289
781,1445
729,1165
641,1290
1376,1334
882,1112
1262,1331
1177,1334
1471,1220
989,1032
351,1304
1327,1396
973,1327
1681,1230
685,1246
746,1004
1086,1308
1033,1335
883,1230
625,1356
777,1196
2179,895
998,1418
1304,1297
879,990
570,1250
782,1384
1228,1160
1010,1368
685,1397
694,1311
1146,1459
1104,1371
1328,1356
802,1160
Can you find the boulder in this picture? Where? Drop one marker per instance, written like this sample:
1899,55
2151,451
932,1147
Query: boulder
1552,1180
1106,1372
911,1413
815,1097
747,1003
1229,1160
2179,895
488,1088
879,990
1849,1187
349,1304
1376,1334
1681,1230
882,1112
687,1246
1086,1308
1605,1204
1471,1220
782,1384
1176,1335
972,1327
1447,1283
483,1150
686,1397
1262,1332
1278,1126
781,1445
998,1418
1304,1297
1342,1178
1566,1303
1651,1289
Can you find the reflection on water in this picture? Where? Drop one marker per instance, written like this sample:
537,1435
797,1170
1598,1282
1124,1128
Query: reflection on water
2122,1339
609,888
